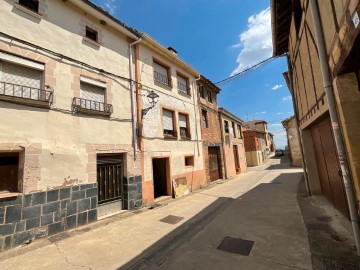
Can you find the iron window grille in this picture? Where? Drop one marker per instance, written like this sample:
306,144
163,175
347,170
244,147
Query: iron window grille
32,5
91,106
182,88
161,78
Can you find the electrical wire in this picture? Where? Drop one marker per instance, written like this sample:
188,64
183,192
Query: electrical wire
249,70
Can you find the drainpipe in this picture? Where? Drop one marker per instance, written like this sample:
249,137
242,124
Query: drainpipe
196,127
298,126
329,91
133,109
223,144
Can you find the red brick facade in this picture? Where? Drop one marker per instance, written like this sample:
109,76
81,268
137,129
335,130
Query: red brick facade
211,130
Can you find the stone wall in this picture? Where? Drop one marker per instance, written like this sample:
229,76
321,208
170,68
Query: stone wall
36,215
133,192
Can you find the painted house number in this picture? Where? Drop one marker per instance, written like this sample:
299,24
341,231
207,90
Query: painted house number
356,19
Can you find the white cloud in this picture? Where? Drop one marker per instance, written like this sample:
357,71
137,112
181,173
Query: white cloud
263,112
110,6
276,87
275,125
287,98
256,41
279,113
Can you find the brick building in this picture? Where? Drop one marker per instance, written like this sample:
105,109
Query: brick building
293,139
254,141
210,129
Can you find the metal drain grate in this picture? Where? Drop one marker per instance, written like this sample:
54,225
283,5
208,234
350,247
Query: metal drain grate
236,245
171,219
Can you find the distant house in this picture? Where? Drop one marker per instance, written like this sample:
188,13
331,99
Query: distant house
210,129
233,143
254,140
293,140
266,143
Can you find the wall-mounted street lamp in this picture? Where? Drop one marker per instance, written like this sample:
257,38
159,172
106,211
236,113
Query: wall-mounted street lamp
153,99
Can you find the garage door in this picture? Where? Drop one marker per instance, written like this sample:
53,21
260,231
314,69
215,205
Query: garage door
328,165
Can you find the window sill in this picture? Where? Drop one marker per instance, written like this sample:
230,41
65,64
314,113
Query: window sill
27,102
169,137
78,109
189,166
28,11
185,138
163,85
9,195
92,42
184,94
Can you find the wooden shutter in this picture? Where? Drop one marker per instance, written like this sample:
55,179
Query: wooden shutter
168,123
182,84
159,68
182,121
26,81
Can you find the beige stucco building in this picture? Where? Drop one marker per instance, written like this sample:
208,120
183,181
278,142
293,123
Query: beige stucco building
66,146
233,143
293,139
170,136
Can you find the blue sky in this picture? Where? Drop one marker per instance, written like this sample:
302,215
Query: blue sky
219,38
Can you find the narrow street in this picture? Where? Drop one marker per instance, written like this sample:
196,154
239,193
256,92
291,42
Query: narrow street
259,206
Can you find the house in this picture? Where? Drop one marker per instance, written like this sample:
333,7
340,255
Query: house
328,117
66,146
254,141
261,125
210,129
169,123
233,143
271,142
291,127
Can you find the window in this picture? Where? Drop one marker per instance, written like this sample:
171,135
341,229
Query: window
233,129
91,34
226,126
168,123
189,161
201,91
183,84
184,126
162,74
204,119
22,81
92,96
9,172
239,131
32,5
209,96
298,13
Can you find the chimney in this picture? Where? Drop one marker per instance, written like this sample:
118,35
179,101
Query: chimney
171,49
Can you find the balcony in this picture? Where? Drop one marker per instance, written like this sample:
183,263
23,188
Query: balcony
81,105
161,78
182,88
26,95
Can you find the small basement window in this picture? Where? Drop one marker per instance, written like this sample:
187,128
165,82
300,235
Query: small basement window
189,161
32,5
91,34
9,173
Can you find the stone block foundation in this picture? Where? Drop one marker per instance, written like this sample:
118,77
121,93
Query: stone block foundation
26,217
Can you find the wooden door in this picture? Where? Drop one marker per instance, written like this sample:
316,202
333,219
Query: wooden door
214,163
328,166
236,158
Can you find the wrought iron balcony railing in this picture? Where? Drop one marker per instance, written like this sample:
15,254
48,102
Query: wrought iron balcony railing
161,78
25,94
182,88
91,106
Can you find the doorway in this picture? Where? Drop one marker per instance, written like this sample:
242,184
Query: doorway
214,163
236,159
161,177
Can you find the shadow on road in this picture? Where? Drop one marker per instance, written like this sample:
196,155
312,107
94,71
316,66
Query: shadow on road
268,215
